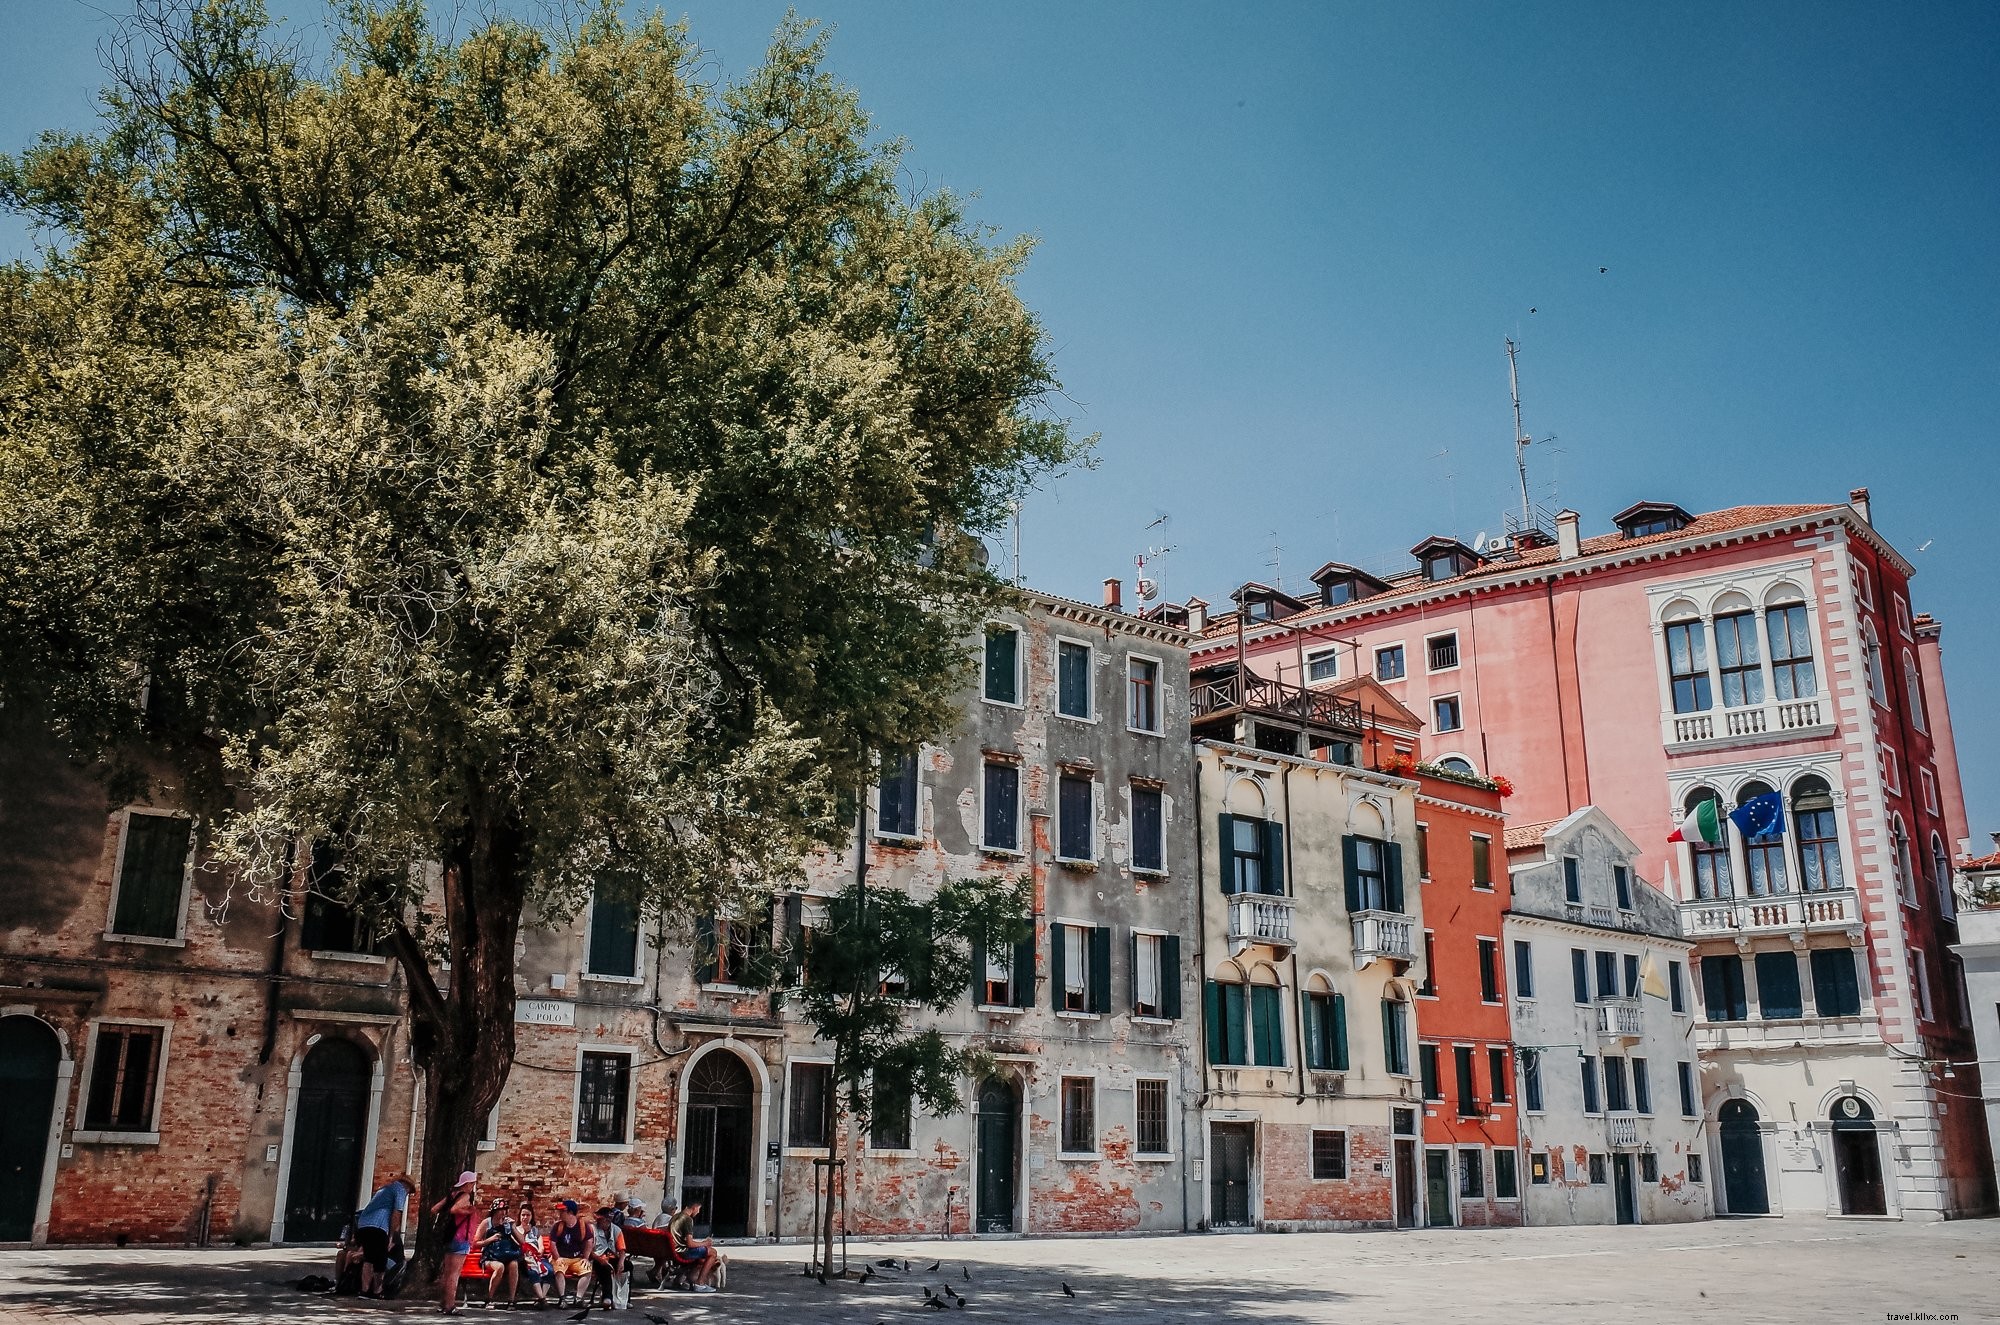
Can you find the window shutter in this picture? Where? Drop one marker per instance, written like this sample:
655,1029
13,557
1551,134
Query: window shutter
978,969
1225,835
1132,973
1024,971
1100,969
1211,995
1057,971
1340,1032
1309,1026
1392,883
1274,858
1389,1036
1269,1025
1170,976
704,949
795,924
1350,863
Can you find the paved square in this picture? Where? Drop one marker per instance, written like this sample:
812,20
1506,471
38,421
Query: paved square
1751,1270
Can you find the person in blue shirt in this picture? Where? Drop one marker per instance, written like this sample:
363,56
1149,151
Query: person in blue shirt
371,1229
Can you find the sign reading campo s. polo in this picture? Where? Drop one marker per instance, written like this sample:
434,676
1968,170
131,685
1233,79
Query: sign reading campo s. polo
545,1011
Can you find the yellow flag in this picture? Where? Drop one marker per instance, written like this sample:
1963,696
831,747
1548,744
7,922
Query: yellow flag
1650,978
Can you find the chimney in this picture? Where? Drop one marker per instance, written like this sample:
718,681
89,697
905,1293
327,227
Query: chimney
1111,599
1568,546
1858,499
1197,611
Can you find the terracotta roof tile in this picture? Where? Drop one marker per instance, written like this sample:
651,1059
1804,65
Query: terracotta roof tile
1522,836
1991,862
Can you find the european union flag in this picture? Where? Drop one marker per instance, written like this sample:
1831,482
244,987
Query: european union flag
1760,816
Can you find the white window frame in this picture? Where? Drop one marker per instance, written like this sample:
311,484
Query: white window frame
1928,780
1170,1153
1500,974
1920,984
1493,1171
631,1052
1020,699
634,980
1375,661
989,759
1090,680
1096,815
1346,1152
1487,886
1892,772
1322,655
874,808
1900,607
1096,1150
1485,1178
1159,693
1163,975
179,940
1147,871
1071,922
1864,585
1458,702
833,1111
868,1133
1514,975
493,1126
83,1135
1458,659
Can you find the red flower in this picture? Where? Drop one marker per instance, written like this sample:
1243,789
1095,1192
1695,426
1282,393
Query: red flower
1502,785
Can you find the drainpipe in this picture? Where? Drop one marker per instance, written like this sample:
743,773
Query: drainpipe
277,961
1297,1000
1201,982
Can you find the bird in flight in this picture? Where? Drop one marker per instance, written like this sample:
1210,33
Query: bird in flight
1602,270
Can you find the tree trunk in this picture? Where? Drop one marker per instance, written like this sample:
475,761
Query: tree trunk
462,1034
832,1172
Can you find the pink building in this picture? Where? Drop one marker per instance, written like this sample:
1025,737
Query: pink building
1683,658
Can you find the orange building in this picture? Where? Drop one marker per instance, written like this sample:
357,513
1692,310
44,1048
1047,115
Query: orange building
1464,1050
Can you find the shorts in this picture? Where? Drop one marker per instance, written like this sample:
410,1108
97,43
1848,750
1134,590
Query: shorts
460,1248
572,1267
374,1243
694,1257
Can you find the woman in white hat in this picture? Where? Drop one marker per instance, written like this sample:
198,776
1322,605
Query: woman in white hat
461,1209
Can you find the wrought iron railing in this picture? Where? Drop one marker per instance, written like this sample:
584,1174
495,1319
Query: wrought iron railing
1261,694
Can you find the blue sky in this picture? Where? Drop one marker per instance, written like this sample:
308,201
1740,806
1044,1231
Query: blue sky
1280,247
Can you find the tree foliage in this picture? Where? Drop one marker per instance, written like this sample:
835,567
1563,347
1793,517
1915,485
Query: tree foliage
506,451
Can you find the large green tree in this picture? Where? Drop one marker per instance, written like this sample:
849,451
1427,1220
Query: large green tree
502,450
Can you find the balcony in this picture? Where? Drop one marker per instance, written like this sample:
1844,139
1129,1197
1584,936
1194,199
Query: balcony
1624,1133
1786,1034
1260,918
1214,699
1620,1019
1774,720
1388,935
1779,913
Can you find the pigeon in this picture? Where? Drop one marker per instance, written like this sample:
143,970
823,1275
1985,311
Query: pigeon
934,1267
934,1302
867,1273
906,1267
1068,1291
887,1264
581,1314
657,1320
966,1272
948,1293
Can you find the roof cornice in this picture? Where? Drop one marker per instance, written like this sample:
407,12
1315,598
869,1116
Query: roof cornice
1069,609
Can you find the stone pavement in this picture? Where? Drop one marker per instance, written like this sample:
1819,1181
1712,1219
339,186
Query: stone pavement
1731,1270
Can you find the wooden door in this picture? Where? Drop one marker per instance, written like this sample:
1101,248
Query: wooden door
999,1124
1437,1187
1229,1175
1406,1184
1857,1158
29,1056
1624,1189
329,1128
1743,1159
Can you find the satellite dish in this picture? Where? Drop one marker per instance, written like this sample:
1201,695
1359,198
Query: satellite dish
981,553
1148,590
1479,539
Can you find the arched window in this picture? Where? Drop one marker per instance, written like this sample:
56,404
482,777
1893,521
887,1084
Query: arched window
1687,661
1871,648
1456,763
1905,872
1941,877
1736,656
1791,650
1763,857
1914,688
1711,863
1819,841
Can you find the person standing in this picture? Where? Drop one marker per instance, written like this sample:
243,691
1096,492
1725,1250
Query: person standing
461,1212
371,1232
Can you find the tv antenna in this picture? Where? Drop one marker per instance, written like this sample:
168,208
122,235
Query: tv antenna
1149,585
1277,562
1521,439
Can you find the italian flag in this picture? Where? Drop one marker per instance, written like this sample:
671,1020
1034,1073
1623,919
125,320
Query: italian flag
1703,825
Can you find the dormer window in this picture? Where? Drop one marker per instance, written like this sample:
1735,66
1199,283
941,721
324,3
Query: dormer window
1335,592
1444,558
1260,602
1441,567
1648,518
1340,584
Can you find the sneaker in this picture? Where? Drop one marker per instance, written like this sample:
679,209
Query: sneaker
704,1288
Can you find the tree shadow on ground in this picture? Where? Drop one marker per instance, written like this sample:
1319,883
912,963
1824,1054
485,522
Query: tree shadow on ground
254,1287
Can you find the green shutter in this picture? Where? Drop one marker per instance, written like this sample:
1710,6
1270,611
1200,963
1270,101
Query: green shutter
1309,1025
1211,998
1170,976
1100,969
1392,864
1268,1025
978,969
1340,1032
1024,970
1225,837
1350,864
1057,972
704,949
1274,858
1132,971
1389,1035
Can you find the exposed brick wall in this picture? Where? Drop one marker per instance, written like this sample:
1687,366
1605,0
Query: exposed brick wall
1293,1197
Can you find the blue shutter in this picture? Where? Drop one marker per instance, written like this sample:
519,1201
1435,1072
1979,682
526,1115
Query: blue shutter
1340,1032
1100,969
1058,974
1170,976
1024,970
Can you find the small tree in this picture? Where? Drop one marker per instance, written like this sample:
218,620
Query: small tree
880,957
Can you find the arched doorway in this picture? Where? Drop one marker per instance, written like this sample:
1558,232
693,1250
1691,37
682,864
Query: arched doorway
1857,1158
329,1128
999,1126
30,1059
1743,1159
715,1150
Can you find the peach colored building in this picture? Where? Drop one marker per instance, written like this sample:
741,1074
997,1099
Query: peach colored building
1680,658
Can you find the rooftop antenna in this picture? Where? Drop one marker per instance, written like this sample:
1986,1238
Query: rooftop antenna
1149,585
1451,486
1521,439
1277,562
1017,542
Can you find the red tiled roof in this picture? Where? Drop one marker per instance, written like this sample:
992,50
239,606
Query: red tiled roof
1991,862
1714,522
1522,836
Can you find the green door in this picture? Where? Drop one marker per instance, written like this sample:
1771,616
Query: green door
1437,1187
29,1055
999,1122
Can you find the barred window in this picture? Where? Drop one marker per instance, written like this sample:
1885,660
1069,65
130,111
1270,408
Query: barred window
1329,1155
122,1079
603,1100
1079,1115
1152,1116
